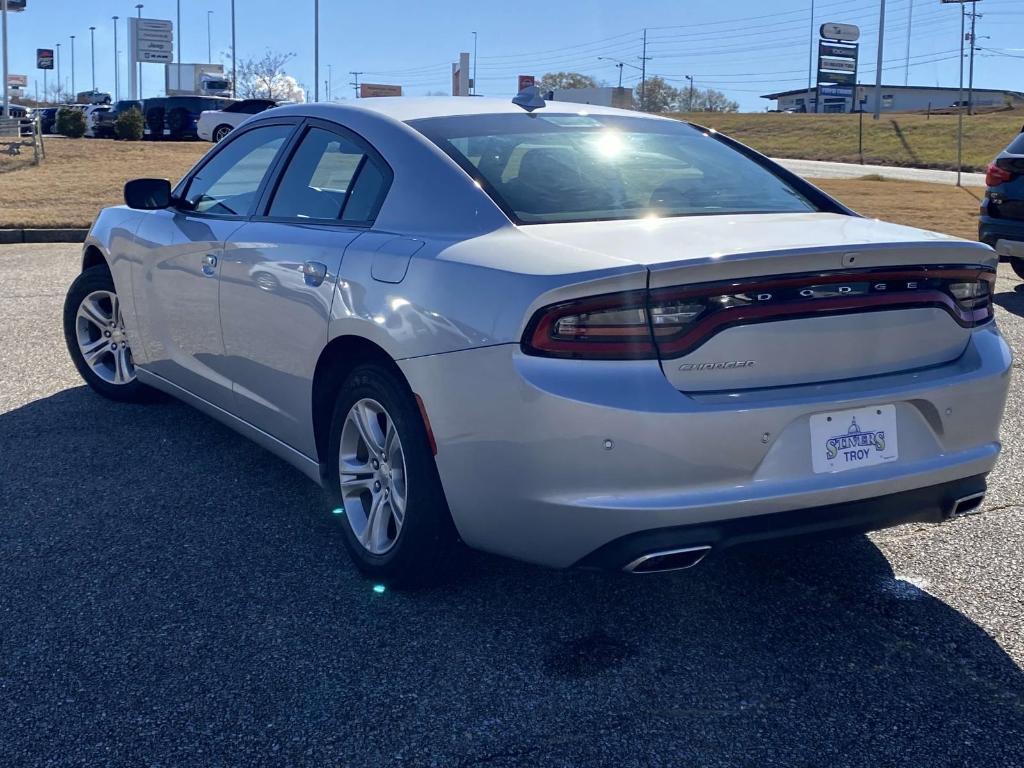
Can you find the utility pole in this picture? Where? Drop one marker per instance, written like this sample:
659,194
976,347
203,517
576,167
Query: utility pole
878,65
316,50
910,25
234,55
92,54
474,64
355,82
643,75
810,65
209,39
330,81
690,78
970,79
117,65
73,91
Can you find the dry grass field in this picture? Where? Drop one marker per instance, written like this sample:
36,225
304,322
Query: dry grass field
903,139
80,176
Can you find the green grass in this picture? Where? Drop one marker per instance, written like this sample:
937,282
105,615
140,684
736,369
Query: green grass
907,140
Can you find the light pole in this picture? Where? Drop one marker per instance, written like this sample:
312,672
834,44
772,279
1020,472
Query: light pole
690,78
878,64
810,66
92,54
474,63
234,55
60,83
209,45
177,37
910,26
117,64
7,100
619,64
73,92
138,8
316,50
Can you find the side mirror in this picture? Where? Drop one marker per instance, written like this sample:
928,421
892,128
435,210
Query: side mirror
148,194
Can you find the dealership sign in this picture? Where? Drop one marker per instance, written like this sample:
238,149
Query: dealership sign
17,81
150,40
44,58
370,90
846,33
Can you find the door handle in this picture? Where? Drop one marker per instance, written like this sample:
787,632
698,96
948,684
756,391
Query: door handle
313,273
209,264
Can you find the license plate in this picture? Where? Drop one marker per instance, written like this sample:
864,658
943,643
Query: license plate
860,437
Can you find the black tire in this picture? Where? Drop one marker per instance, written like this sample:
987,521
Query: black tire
220,132
427,548
1018,266
97,279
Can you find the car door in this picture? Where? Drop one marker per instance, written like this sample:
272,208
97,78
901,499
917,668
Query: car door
280,270
179,270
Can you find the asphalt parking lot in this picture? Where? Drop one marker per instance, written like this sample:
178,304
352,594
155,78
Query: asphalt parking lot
171,595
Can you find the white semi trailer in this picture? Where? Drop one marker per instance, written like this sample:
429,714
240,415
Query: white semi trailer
197,80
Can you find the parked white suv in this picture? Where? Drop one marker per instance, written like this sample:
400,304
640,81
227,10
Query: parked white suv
215,124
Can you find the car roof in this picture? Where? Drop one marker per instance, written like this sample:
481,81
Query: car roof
405,108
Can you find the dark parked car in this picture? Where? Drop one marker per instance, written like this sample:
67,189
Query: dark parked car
48,119
1002,211
106,122
175,117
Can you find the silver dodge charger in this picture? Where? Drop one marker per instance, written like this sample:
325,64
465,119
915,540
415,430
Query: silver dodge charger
572,335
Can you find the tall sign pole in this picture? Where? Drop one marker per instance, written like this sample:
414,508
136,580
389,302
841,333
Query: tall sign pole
878,65
92,54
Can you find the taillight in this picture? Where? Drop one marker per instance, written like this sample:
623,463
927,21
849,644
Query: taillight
995,176
671,322
614,326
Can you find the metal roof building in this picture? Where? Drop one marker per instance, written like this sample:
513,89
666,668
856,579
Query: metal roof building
895,98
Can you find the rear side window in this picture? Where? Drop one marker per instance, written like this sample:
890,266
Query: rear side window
1017,145
330,178
228,183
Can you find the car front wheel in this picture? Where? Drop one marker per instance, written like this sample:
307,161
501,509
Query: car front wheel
95,335
397,526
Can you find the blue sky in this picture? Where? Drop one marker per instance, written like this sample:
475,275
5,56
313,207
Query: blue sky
744,47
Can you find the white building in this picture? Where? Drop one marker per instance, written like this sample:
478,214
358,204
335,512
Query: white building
895,98
622,98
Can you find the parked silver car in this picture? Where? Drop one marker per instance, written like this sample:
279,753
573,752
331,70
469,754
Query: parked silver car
572,336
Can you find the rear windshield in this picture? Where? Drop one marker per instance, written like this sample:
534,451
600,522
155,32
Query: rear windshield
544,168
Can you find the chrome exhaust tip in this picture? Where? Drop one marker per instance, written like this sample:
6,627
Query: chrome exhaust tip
668,560
967,505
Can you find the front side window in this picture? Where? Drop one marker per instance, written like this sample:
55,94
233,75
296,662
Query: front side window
329,178
576,167
228,184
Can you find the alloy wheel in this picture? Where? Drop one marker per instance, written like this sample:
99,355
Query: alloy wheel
373,476
100,332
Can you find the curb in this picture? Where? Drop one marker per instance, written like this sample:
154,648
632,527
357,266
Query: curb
19,236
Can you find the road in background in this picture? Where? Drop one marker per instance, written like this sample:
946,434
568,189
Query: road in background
815,169
170,594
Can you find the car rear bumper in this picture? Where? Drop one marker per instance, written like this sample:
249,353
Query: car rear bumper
550,460
1005,235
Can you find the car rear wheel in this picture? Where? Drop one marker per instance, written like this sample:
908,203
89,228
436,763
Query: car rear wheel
397,526
1018,266
221,132
96,339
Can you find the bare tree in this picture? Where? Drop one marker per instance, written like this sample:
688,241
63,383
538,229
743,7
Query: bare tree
264,77
554,81
656,95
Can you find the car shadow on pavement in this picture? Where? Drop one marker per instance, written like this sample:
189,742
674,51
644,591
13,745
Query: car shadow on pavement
171,594
1011,301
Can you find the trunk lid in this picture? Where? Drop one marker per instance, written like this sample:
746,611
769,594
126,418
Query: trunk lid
786,299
